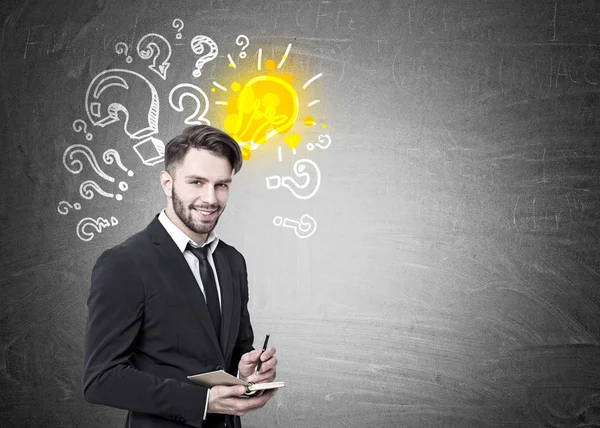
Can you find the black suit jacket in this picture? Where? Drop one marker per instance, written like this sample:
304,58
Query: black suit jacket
148,328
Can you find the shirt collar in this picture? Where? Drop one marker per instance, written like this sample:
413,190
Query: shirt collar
181,239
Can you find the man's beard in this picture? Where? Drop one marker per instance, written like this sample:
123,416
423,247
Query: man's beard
186,216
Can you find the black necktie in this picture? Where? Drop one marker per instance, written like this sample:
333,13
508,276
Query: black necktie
210,286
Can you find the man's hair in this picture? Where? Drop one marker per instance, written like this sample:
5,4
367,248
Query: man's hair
205,137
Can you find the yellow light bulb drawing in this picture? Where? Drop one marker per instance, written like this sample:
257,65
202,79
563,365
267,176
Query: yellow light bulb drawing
264,107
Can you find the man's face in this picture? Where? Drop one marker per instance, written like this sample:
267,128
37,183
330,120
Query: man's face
200,190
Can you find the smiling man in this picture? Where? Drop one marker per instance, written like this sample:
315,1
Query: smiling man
171,301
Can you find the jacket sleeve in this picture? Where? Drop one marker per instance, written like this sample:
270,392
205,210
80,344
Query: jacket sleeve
245,337
115,314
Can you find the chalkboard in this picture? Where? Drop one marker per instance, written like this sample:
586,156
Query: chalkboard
423,244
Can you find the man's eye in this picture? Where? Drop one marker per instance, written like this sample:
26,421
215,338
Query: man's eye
223,185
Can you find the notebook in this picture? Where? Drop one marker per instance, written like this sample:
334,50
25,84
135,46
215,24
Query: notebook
221,377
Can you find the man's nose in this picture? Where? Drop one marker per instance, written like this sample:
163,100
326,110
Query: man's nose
209,196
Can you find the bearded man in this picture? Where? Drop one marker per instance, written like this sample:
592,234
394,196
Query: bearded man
171,301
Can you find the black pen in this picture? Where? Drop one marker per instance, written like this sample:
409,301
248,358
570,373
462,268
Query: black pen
263,350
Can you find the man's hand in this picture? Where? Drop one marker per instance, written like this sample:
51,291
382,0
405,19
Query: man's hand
228,400
249,361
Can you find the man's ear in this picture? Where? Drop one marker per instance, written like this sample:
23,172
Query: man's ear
166,181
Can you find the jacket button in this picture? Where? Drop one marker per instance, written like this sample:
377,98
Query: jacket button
220,368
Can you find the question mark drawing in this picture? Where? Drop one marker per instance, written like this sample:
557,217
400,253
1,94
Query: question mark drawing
244,42
75,166
303,228
322,138
86,192
111,95
110,156
276,181
197,117
79,125
178,25
197,45
98,225
121,48
155,46
63,207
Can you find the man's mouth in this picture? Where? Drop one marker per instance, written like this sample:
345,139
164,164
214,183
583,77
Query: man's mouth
207,214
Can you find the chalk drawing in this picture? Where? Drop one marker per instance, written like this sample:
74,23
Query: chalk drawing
299,190
122,48
151,151
75,166
284,57
197,117
304,228
110,156
80,125
87,188
312,79
108,94
322,138
231,61
158,48
243,42
64,206
198,44
98,225
178,25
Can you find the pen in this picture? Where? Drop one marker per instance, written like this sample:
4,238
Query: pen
263,350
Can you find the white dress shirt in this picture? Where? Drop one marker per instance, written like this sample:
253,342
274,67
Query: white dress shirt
181,240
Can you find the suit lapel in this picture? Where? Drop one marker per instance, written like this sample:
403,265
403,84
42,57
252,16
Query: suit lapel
184,279
226,285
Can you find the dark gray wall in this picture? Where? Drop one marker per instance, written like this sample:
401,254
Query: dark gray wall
453,278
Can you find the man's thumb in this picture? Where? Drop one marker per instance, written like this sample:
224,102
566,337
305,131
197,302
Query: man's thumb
252,355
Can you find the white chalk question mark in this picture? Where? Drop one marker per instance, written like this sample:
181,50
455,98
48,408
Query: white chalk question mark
63,207
197,45
276,181
75,166
113,93
155,46
110,156
86,192
178,25
244,42
303,228
121,48
98,224
322,138
111,97
195,93
80,125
